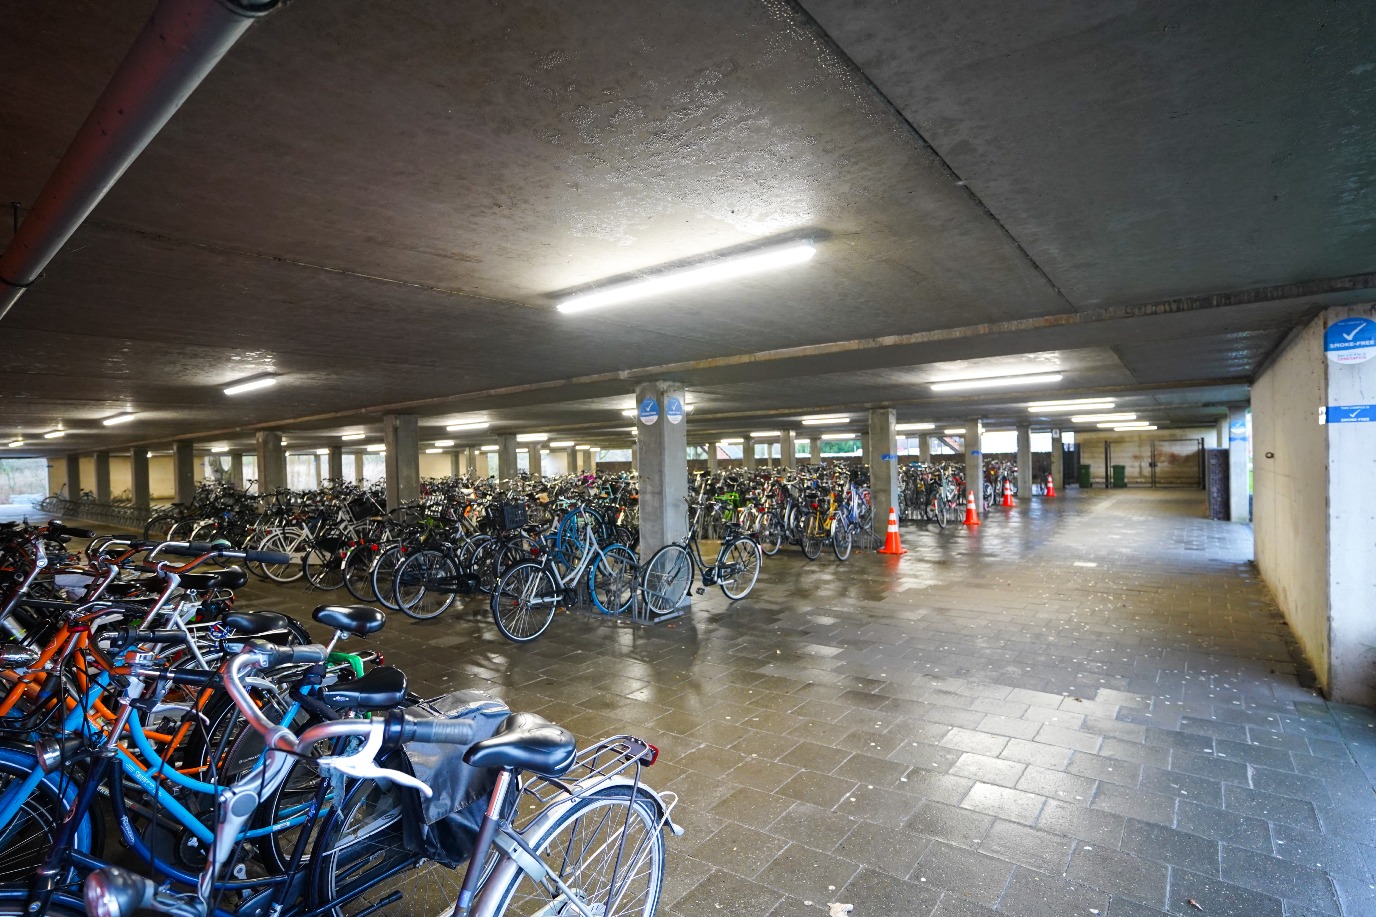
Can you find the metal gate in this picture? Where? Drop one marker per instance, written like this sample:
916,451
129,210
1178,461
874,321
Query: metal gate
1177,462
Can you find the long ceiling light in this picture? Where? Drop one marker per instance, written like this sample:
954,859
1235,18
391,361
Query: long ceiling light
915,426
433,451
562,444
755,262
117,419
324,451
841,436
16,443
582,448
1135,428
248,385
490,448
468,425
954,431
531,437
1069,408
55,434
351,436
1067,403
997,381
730,441
1096,418
825,420
443,443
219,449
765,434
378,447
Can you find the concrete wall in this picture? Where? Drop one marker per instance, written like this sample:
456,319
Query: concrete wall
1290,506
438,465
1315,507
1134,451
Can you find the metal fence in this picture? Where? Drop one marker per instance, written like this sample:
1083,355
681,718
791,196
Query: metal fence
120,515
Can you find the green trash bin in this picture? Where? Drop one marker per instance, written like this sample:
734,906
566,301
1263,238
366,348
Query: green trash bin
1084,476
1120,475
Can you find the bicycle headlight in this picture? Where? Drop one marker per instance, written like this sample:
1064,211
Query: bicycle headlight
116,892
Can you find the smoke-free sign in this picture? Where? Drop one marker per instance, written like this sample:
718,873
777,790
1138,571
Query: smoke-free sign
649,412
1350,340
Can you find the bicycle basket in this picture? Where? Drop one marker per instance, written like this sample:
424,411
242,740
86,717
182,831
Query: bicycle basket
444,827
512,516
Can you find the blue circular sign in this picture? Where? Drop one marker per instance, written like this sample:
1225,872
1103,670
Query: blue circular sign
1350,340
673,410
648,411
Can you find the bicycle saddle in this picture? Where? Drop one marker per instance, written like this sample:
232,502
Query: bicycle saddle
352,619
228,578
381,689
529,742
253,623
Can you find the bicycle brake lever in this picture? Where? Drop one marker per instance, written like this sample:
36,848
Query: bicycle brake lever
361,764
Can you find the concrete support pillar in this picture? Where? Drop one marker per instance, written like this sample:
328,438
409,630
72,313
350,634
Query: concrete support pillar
712,457
401,436
1239,443
456,464
272,462
184,471
663,448
592,460
814,449
788,449
974,461
471,460
236,469
506,457
882,438
1024,460
1057,461
358,468
924,448
138,476
102,469
336,469
748,453
74,477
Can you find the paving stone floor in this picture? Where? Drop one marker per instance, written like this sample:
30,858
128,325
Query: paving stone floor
1086,706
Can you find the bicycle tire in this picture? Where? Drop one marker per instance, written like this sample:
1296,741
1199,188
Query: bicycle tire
419,581
842,539
940,512
666,579
289,544
632,864
771,533
28,836
323,568
809,537
524,601
384,575
358,573
611,581
744,554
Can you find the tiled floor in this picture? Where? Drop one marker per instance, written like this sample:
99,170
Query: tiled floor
1087,706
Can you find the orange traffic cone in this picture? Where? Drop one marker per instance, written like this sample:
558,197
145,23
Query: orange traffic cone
891,542
971,517
1007,492
1050,486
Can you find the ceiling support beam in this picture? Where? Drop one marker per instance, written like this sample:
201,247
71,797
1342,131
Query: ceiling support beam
182,41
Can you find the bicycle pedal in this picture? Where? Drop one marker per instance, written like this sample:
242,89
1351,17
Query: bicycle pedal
702,591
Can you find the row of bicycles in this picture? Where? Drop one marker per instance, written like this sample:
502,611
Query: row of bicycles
936,492
240,768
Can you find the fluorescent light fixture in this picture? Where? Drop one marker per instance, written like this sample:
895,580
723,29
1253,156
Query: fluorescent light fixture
117,419
562,444
915,426
1135,423
378,447
997,381
1091,406
468,425
433,451
531,437
490,448
443,443
954,431
351,436
730,441
55,434
15,443
825,421
522,450
825,417
219,449
629,412
544,452
325,451
583,448
765,434
250,384
1095,418
842,436
695,276
1080,403
1135,428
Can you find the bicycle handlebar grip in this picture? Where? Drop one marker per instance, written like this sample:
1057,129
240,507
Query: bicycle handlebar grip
58,528
289,655
130,636
267,557
440,732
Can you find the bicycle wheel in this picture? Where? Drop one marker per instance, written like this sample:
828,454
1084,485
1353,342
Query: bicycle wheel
810,535
425,584
738,566
323,566
291,544
842,538
159,524
524,602
385,573
666,579
27,837
358,572
363,840
771,533
611,581
939,511
608,850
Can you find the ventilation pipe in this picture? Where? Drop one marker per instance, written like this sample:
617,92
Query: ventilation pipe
182,41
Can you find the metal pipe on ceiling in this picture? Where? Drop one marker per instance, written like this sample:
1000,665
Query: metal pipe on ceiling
181,42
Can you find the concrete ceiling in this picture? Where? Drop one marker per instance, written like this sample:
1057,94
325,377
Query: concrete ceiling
382,203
